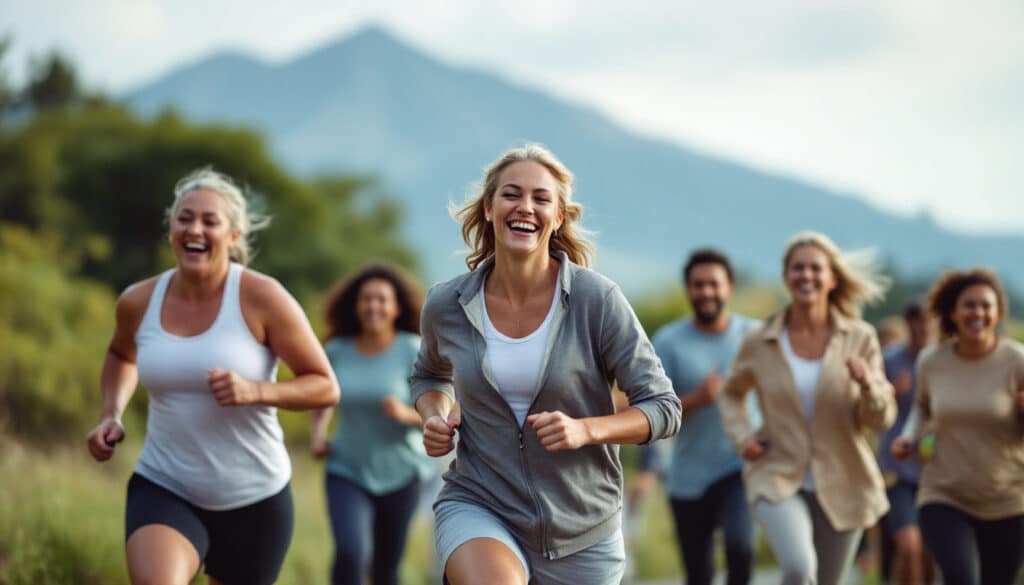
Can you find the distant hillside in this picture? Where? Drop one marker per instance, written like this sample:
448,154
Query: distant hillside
369,103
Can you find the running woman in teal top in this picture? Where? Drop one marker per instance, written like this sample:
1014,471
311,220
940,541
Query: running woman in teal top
375,460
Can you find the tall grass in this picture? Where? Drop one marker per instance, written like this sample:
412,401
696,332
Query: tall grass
62,520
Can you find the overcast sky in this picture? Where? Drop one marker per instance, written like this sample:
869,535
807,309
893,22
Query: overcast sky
916,105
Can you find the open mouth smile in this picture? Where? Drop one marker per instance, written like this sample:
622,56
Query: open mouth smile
523,227
196,248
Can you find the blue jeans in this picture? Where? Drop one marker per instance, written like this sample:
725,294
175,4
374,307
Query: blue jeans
723,504
369,530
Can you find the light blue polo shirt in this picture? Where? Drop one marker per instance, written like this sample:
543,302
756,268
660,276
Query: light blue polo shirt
702,452
378,453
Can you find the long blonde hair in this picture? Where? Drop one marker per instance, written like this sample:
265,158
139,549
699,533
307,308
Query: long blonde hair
477,232
858,281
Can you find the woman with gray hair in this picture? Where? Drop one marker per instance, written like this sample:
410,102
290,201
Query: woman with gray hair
811,475
211,486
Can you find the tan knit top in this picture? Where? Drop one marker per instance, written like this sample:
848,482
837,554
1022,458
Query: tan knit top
971,405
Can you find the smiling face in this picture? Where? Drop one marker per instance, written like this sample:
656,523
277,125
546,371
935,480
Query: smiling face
809,276
976,314
708,288
525,209
201,234
377,306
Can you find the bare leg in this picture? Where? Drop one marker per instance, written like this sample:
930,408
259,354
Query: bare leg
909,555
160,555
484,561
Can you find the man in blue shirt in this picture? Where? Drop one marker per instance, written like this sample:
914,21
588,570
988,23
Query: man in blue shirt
901,477
704,474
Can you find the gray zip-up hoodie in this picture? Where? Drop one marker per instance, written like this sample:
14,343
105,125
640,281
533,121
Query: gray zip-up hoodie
557,503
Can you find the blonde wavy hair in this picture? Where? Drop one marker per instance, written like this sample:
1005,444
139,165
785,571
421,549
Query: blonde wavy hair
477,232
858,281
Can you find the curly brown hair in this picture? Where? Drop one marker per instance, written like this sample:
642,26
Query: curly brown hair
340,303
951,284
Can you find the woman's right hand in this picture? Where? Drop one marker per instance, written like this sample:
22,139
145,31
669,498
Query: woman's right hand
753,449
439,434
102,439
902,448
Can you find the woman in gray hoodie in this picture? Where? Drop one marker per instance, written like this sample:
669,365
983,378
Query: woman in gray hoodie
519,356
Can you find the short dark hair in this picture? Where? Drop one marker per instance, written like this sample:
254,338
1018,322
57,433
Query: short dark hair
913,311
950,285
340,303
706,256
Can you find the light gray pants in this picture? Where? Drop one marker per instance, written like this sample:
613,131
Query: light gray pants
809,551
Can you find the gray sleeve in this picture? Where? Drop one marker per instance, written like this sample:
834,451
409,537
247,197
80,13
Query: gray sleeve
629,357
431,371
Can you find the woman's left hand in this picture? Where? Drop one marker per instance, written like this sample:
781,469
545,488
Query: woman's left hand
319,446
858,369
558,431
231,389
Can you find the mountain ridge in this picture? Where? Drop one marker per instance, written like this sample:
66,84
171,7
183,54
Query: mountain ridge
369,103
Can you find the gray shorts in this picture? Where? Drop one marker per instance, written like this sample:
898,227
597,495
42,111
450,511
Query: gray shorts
456,522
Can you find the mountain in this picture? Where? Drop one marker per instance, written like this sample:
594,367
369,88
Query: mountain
371,104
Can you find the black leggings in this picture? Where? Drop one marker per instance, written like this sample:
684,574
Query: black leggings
971,551
243,546
723,504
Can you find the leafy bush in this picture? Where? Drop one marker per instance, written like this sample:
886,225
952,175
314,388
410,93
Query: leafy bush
54,329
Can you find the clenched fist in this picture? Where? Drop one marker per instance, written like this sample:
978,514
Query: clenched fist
558,431
102,439
439,434
231,389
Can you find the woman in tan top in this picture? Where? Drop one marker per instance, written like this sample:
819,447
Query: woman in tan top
811,476
971,395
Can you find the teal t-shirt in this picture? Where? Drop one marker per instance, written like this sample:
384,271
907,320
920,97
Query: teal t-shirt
701,453
376,452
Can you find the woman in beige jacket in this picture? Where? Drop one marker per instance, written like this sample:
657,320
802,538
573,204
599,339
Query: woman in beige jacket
811,475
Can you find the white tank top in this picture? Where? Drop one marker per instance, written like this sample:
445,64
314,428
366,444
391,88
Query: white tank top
515,362
216,457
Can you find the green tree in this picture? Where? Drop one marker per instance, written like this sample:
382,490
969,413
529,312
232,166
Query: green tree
6,91
53,83
102,179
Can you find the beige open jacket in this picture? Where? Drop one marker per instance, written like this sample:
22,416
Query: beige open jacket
833,444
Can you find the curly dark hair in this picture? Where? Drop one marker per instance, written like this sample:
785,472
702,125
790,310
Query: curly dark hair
948,288
340,303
